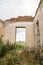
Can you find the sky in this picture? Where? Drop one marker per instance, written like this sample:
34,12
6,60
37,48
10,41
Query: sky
15,8
20,34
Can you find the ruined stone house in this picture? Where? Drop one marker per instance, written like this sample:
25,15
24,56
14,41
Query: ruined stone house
33,25
38,25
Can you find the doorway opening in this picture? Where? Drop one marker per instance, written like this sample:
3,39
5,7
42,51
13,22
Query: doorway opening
20,38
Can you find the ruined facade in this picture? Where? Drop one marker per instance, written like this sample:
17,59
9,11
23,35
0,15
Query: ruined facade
34,28
10,25
38,25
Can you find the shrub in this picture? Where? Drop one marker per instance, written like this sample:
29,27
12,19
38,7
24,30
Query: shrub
9,46
2,50
38,58
10,58
1,41
3,61
2,47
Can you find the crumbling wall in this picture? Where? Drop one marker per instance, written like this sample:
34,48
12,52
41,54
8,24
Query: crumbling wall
10,32
39,18
1,29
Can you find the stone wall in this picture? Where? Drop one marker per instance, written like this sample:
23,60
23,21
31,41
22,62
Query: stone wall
1,29
10,32
39,18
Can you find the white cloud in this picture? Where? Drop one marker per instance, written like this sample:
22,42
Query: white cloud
14,8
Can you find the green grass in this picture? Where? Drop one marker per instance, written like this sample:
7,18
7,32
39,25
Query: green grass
20,46
8,56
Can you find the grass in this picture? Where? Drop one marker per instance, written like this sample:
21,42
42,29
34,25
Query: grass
12,58
20,46
8,55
